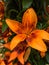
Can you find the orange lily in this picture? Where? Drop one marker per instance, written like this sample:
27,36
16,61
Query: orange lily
2,62
7,45
42,54
26,31
1,10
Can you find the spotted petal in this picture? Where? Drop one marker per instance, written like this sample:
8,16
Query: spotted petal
38,44
15,26
29,20
20,58
16,40
7,45
10,63
13,55
2,63
41,33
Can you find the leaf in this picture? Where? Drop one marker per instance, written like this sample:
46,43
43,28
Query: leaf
12,12
35,54
26,3
6,0
2,41
5,50
39,25
47,57
4,26
16,40
32,59
41,62
35,58
45,25
11,9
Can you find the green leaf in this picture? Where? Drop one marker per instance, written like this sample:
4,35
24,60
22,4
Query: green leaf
41,62
12,12
26,3
47,57
35,58
5,0
39,25
2,41
45,26
4,26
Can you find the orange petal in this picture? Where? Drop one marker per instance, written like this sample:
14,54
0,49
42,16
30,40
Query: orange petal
16,40
15,63
13,55
43,34
37,43
10,63
0,23
42,54
5,39
15,26
1,10
2,63
20,58
7,45
28,63
29,20
7,53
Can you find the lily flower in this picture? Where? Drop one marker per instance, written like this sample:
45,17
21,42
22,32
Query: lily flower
1,10
26,31
2,62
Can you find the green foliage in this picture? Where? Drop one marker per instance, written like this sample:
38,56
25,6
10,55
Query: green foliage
26,3
35,58
15,8
47,56
4,26
2,41
42,25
